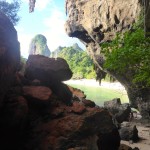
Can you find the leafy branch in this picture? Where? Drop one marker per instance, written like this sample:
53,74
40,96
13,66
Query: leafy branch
129,51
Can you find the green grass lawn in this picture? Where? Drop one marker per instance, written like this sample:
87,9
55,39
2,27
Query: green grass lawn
100,94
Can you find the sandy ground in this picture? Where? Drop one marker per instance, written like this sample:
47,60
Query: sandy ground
94,83
116,86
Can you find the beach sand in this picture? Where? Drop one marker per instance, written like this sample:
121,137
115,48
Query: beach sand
94,83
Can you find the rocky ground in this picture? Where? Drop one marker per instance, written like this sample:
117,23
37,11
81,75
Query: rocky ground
144,135
143,127
39,112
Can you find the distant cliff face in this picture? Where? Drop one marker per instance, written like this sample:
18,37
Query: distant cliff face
97,21
39,46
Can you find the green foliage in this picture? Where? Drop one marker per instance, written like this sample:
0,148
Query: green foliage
129,51
79,62
39,46
11,10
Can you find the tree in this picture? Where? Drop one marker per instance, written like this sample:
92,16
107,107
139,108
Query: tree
79,62
127,58
10,10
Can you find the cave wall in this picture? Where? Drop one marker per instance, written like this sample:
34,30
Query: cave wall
9,55
97,21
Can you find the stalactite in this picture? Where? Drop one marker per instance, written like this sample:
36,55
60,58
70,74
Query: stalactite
66,3
31,5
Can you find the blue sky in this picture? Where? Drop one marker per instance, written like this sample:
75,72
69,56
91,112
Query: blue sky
48,19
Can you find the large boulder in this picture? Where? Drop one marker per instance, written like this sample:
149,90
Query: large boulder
50,72
40,93
9,54
120,112
126,147
129,133
75,127
37,96
47,69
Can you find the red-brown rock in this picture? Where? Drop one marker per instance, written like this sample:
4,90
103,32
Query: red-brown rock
16,109
78,108
38,97
13,122
9,55
77,92
88,103
50,72
41,93
70,130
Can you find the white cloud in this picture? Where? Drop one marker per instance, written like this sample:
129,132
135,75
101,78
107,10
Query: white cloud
42,4
27,1
24,40
52,28
24,46
55,33
9,1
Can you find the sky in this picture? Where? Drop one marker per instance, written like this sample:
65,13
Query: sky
47,19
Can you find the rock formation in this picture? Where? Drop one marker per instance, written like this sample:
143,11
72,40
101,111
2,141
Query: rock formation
125,147
44,68
94,22
34,112
9,55
50,72
120,112
129,134
39,46
34,116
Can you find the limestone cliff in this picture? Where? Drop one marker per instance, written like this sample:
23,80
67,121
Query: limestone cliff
97,21
39,46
